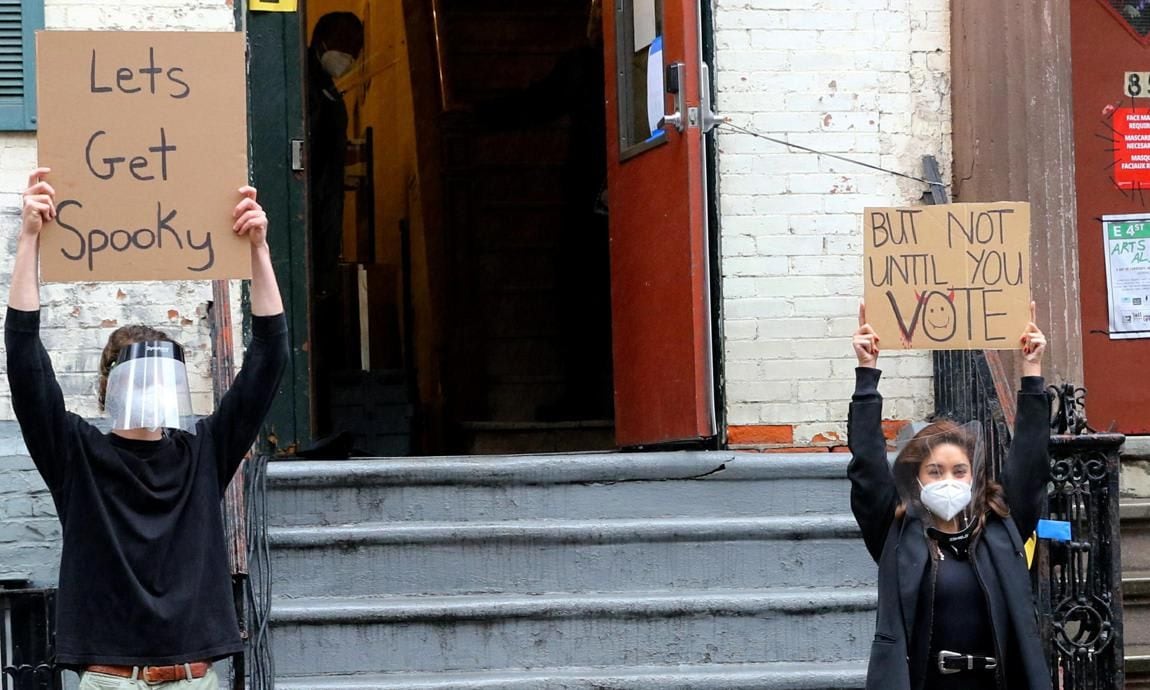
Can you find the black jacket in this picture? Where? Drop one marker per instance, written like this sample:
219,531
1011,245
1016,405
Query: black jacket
898,657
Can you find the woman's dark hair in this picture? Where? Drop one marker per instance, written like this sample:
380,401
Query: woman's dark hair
988,495
120,338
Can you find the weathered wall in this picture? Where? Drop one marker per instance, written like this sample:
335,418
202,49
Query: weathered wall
867,79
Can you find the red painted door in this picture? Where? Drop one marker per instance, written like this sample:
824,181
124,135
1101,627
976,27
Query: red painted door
1105,46
661,319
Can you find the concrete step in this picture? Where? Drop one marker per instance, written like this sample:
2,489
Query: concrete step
706,676
1135,528
1137,666
481,633
1135,517
1136,608
535,556
590,486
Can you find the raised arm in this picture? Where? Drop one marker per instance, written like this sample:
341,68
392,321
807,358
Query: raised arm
1027,468
39,207
873,494
36,397
236,422
251,220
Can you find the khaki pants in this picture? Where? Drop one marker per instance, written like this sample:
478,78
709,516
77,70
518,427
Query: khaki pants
99,681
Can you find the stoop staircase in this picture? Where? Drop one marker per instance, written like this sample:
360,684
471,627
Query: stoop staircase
1134,513
1135,516
654,570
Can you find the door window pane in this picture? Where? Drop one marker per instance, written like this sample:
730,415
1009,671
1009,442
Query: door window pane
640,65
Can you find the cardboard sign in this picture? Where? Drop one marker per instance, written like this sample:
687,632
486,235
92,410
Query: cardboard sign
1131,147
146,135
948,277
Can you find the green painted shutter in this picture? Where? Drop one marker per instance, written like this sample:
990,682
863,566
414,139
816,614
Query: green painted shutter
19,22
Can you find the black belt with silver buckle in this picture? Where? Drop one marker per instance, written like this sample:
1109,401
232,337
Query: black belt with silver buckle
953,662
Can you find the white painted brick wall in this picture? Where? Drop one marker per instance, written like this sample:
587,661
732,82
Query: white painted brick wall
77,318
868,79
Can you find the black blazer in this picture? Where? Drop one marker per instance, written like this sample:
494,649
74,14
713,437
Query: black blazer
898,656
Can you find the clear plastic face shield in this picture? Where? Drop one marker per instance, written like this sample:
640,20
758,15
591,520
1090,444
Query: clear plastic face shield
940,472
148,388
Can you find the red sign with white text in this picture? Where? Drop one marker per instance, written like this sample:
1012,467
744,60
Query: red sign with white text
1131,148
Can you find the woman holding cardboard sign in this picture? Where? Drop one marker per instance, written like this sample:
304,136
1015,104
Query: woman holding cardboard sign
145,589
955,608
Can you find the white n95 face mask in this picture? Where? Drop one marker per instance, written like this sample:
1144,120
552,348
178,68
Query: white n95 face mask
946,498
336,63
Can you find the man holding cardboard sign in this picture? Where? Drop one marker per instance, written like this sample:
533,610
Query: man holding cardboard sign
145,590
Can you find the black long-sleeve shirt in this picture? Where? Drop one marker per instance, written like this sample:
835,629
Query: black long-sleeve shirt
144,577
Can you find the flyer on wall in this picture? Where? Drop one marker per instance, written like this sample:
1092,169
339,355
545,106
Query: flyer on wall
1126,246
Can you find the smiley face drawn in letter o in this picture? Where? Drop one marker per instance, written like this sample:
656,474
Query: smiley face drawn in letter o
940,319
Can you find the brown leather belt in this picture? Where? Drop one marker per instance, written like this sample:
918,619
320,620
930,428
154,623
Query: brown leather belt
155,674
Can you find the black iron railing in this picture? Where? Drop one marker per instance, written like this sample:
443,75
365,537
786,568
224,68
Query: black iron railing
27,627
1079,580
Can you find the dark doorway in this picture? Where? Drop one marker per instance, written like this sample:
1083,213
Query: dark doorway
468,309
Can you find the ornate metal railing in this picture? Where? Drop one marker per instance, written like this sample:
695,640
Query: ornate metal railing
27,626
1079,580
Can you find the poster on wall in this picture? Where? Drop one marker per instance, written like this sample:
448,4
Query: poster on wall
948,277
1126,246
1131,137
146,136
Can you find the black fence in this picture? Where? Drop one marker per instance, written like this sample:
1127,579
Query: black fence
27,627
1079,580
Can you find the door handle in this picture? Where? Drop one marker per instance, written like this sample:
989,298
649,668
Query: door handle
674,120
710,118
674,82
705,112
